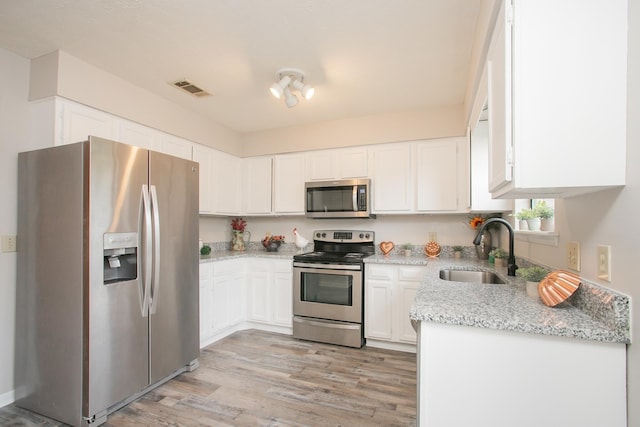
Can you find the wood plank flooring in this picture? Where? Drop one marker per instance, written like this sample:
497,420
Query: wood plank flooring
257,378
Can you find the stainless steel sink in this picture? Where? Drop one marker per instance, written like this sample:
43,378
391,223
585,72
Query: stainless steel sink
470,276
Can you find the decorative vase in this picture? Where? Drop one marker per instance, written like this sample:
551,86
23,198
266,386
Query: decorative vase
483,249
500,262
533,224
457,254
237,240
532,289
522,224
272,246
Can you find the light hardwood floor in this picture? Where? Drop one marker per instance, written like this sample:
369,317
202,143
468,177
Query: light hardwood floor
257,378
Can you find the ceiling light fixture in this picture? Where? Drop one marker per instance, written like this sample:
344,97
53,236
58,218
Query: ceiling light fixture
288,79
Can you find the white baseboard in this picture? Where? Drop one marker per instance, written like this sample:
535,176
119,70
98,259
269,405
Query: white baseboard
387,345
7,398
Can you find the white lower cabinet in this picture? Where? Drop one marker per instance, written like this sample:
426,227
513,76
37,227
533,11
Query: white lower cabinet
389,293
222,297
269,284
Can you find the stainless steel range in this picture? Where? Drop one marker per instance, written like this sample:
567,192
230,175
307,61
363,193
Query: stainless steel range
328,288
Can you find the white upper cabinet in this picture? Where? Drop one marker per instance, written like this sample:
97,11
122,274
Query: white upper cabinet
141,136
175,146
76,122
257,185
392,178
205,157
343,163
442,179
227,184
557,97
481,200
288,184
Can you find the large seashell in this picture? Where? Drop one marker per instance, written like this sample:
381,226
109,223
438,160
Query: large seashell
386,247
557,286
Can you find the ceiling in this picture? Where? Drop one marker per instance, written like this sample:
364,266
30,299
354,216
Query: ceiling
363,57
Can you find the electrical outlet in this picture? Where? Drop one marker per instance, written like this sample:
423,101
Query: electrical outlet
573,255
604,262
9,243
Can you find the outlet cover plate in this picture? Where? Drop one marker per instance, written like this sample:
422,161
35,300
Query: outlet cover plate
573,255
604,262
8,243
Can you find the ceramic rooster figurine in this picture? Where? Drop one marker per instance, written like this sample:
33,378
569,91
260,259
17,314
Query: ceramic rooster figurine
301,242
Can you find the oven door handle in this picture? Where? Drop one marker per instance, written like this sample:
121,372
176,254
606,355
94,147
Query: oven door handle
352,267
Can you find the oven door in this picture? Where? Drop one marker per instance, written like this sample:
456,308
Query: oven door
332,292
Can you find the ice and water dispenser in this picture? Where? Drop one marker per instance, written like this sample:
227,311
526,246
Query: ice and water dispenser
120,257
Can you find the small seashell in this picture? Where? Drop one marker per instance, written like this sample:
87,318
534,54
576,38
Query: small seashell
557,287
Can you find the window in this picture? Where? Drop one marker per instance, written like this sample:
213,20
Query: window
534,215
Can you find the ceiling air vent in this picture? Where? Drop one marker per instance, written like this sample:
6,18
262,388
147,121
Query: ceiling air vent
190,88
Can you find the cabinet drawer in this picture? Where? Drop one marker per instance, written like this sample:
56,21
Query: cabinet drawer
380,272
410,273
228,266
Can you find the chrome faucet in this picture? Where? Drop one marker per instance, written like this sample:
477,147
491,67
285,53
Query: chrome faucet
511,261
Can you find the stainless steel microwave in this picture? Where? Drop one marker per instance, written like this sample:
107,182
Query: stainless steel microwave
349,198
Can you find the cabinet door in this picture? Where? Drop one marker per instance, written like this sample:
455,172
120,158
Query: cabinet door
258,289
392,178
206,290
288,184
499,102
378,312
257,185
320,165
438,175
227,183
175,146
220,317
352,163
282,299
141,136
405,293
204,156
480,196
79,121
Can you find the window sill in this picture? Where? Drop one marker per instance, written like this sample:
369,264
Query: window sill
548,238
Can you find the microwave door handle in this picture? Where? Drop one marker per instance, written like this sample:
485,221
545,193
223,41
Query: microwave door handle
355,198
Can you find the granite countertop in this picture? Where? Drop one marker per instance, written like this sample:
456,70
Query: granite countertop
259,253
592,313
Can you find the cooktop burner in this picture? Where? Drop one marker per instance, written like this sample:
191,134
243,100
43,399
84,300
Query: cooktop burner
339,246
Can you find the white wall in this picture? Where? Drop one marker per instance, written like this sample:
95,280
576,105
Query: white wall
59,73
408,126
610,218
399,229
15,136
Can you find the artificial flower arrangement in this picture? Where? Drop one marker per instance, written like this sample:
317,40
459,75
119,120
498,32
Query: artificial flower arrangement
477,220
272,242
238,224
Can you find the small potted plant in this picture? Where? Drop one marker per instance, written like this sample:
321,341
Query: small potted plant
533,276
545,213
205,250
500,256
457,252
407,247
523,216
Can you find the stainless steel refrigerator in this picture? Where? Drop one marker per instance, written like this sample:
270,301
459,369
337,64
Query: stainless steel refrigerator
107,295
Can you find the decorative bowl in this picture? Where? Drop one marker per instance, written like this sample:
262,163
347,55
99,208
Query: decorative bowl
272,245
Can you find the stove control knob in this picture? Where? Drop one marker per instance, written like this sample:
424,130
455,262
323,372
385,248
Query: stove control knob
367,235
361,235
324,235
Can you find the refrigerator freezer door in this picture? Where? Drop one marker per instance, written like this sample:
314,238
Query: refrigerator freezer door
116,339
174,316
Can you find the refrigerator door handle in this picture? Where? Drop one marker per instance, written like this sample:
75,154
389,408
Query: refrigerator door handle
146,264
156,251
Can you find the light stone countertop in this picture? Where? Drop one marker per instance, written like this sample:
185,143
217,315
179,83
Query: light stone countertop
225,254
592,313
